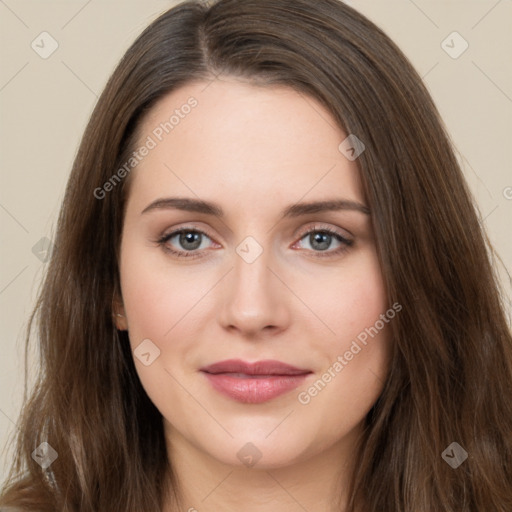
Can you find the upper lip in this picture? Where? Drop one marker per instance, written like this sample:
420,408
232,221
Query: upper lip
266,367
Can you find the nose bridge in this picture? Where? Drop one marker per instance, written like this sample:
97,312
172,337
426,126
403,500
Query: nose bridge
251,278
254,298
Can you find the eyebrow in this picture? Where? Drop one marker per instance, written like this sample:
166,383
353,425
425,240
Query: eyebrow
294,210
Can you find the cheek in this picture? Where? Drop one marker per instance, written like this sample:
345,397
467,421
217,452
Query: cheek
156,296
157,301
357,354
352,299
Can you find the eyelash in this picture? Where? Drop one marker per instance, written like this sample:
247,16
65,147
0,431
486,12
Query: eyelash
162,241
346,243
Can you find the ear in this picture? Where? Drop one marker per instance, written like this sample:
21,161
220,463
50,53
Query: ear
119,315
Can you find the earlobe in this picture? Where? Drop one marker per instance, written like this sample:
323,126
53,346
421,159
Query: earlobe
118,315
120,321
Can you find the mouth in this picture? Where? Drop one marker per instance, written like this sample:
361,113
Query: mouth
254,383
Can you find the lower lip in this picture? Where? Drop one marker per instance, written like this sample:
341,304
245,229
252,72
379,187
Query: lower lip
254,390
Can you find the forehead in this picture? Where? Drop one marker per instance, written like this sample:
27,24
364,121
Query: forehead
233,139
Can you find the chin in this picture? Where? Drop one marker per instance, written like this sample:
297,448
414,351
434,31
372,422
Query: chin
258,452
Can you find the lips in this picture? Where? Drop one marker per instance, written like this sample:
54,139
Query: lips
254,382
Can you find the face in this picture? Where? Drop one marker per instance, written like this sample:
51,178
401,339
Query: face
257,319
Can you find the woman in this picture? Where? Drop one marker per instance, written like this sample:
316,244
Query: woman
270,288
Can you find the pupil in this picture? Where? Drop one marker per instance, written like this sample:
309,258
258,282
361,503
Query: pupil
323,240
190,240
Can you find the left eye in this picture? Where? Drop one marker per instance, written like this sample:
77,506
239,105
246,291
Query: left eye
322,240
191,241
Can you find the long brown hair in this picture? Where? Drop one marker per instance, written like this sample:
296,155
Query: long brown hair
451,371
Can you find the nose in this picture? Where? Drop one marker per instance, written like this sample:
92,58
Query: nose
255,301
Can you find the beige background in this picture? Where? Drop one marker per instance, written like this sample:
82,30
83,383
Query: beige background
45,104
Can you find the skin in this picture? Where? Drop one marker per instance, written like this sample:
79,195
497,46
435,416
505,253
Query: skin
254,151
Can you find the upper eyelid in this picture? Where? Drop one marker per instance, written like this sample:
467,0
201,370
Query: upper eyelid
176,231
301,234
